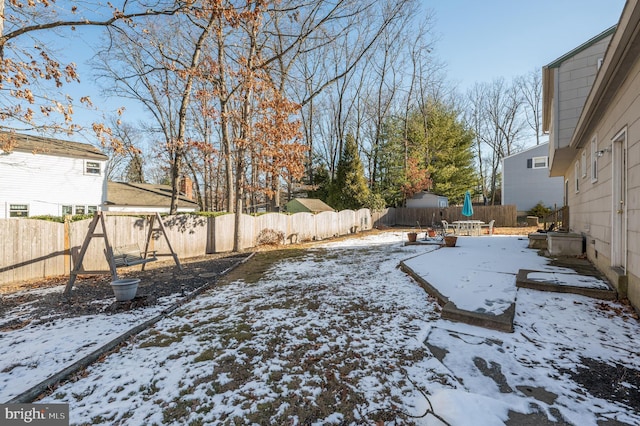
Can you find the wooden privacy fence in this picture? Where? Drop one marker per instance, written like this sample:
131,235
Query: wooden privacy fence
430,216
32,249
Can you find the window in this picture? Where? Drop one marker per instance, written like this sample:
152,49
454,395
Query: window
92,168
92,209
583,170
594,160
80,210
577,176
67,210
540,162
18,210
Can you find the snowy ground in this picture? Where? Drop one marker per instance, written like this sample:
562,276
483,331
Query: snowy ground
338,335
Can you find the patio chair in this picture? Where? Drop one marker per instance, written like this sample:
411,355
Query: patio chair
445,227
489,225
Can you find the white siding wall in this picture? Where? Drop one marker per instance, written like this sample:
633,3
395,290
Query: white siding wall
46,182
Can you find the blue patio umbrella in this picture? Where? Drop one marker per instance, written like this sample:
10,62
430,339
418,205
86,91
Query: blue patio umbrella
467,208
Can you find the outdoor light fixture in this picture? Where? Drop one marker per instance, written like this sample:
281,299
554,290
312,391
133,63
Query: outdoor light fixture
602,151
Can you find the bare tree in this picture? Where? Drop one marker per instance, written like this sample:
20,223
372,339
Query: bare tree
158,67
530,86
127,161
32,77
496,114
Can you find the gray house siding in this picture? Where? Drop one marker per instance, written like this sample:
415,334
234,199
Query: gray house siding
575,78
526,186
427,199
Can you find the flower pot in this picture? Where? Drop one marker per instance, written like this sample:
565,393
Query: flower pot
413,236
431,233
450,240
125,289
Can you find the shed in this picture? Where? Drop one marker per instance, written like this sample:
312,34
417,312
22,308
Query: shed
427,199
307,205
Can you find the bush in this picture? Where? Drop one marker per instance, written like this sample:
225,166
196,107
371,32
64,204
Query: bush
60,219
270,237
539,210
375,202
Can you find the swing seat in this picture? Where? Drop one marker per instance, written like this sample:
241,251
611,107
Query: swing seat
131,255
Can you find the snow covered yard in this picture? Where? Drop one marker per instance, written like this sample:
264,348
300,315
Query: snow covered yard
338,335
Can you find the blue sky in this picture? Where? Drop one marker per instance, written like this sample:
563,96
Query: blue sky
482,40
477,40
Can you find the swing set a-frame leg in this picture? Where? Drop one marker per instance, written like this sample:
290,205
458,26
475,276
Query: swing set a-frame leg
91,233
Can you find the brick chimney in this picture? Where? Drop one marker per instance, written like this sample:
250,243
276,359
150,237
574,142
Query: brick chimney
186,187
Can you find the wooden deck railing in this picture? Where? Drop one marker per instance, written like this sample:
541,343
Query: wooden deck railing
559,217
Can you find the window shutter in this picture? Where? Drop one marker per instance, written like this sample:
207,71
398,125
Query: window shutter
529,163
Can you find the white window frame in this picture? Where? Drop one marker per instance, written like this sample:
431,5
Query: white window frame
83,209
594,160
544,159
67,210
92,168
576,171
18,208
583,164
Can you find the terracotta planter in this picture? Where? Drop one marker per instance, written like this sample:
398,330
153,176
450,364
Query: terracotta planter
450,240
413,236
431,233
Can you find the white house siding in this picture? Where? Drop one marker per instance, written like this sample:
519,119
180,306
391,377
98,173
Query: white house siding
526,187
46,183
144,209
591,209
574,78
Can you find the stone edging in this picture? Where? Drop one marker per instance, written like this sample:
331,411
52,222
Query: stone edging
502,322
522,281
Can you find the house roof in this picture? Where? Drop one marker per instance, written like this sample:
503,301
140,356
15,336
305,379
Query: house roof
622,54
582,47
143,195
421,194
531,148
312,205
49,146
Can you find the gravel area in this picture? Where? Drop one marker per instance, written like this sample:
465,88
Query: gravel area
93,295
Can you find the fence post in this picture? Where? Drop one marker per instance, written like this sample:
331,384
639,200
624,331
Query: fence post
67,245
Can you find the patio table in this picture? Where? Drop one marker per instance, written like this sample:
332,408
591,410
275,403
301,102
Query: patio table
470,227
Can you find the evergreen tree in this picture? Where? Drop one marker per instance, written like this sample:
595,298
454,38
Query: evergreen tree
321,182
349,189
450,154
134,172
435,154
391,166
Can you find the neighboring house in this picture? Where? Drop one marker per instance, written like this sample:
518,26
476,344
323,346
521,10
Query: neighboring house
44,176
143,198
526,181
307,205
427,199
591,109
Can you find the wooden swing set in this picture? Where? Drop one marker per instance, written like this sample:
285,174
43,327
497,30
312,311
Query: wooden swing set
128,255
